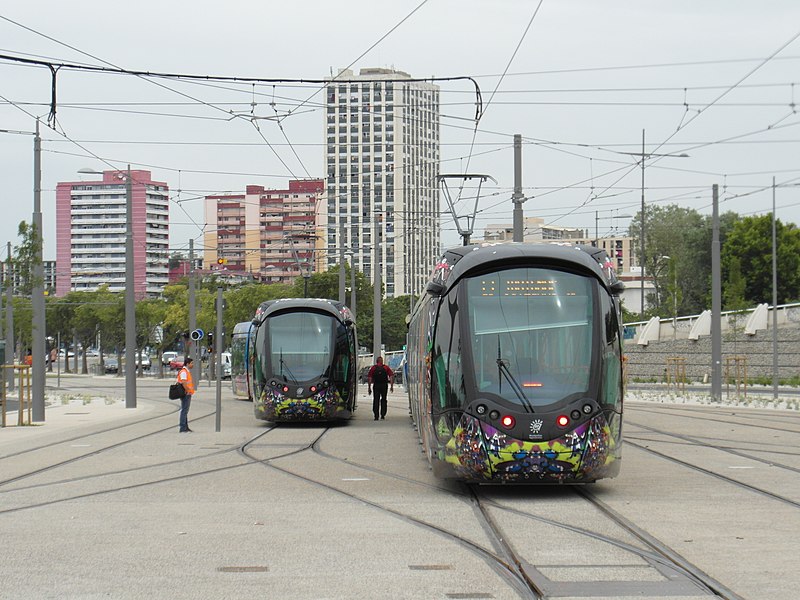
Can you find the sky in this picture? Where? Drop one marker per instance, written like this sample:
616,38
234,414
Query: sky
580,80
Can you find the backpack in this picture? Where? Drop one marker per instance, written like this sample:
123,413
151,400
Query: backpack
380,376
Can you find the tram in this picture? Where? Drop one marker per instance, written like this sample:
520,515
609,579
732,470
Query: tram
515,365
305,365
241,359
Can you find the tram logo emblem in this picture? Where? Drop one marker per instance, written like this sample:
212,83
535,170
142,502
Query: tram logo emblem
536,425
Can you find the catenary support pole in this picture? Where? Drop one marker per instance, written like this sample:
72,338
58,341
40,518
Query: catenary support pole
192,349
376,298
775,378
342,298
716,302
10,339
130,299
641,241
218,342
37,289
517,197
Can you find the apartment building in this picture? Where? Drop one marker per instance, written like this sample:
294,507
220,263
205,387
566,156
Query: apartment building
269,233
382,158
91,223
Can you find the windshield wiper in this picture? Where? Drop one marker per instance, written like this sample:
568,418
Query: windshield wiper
503,370
288,370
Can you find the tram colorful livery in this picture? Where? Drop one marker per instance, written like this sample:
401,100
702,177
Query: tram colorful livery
515,365
304,367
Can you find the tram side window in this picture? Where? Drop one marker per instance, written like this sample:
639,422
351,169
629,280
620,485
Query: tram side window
610,393
447,387
341,365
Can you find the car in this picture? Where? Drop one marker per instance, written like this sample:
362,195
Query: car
167,357
177,362
225,358
145,361
111,365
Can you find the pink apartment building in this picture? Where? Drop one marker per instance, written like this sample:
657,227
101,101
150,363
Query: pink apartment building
91,227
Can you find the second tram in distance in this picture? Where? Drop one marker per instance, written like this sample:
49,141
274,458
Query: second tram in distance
304,363
515,365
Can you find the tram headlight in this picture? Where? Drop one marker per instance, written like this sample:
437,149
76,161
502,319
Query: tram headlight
285,389
494,415
481,409
575,414
587,409
508,421
313,389
562,420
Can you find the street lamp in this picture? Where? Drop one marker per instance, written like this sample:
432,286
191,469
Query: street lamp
674,270
130,298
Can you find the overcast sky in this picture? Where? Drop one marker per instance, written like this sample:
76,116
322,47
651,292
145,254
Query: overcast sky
715,79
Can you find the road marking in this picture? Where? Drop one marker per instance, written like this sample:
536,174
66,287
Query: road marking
355,479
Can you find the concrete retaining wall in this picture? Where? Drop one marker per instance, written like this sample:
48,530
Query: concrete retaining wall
755,351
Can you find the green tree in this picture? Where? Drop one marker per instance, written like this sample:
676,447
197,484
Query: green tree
241,302
25,257
750,242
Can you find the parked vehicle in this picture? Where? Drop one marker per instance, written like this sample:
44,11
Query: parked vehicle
111,365
177,362
145,361
225,360
167,357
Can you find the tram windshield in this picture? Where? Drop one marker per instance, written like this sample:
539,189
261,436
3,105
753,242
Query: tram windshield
301,345
531,332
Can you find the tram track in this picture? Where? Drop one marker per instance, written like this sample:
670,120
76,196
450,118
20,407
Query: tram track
502,556
743,419
111,490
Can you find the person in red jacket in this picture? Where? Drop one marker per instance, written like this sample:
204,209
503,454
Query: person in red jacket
185,378
379,379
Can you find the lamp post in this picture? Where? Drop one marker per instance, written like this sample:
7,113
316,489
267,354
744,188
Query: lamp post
130,297
674,294
352,256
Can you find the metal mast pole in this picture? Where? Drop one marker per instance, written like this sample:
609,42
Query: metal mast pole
641,245
130,300
192,317
10,341
517,197
341,262
218,357
716,303
37,289
353,286
774,297
376,298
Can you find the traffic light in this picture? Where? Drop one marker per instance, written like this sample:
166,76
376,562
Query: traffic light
222,261
210,336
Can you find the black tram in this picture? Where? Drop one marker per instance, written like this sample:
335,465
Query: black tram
515,365
304,367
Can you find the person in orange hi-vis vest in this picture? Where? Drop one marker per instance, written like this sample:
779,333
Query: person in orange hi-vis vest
185,378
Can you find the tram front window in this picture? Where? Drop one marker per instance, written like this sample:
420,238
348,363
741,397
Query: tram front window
300,345
531,332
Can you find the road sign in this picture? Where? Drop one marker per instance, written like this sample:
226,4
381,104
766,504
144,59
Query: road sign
197,334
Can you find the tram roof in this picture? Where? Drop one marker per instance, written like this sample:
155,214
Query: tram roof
466,258
333,307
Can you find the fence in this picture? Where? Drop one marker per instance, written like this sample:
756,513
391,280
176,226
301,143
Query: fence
24,387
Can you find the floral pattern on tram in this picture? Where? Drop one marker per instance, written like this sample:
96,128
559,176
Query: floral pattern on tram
274,405
479,452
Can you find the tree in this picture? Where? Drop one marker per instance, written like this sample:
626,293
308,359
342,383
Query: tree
25,257
685,236
750,242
